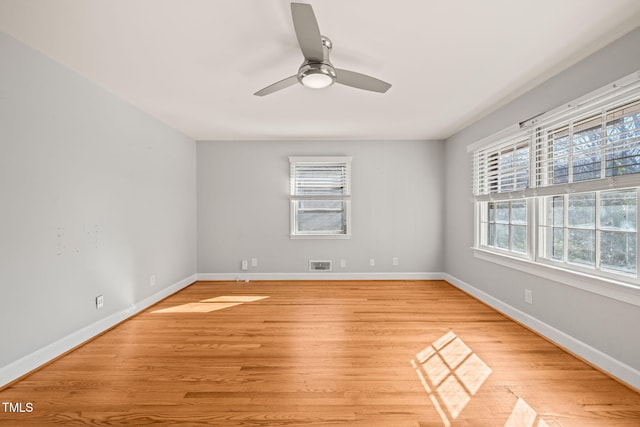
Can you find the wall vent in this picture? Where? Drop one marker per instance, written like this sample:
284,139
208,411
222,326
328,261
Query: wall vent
316,265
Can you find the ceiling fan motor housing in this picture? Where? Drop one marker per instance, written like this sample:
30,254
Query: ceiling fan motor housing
318,74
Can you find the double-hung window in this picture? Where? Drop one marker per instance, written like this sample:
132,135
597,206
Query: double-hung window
562,189
501,172
320,197
591,231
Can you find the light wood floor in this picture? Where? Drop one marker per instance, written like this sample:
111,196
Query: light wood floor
382,353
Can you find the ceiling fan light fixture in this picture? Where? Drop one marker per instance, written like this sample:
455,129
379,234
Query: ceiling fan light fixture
317,76
317,80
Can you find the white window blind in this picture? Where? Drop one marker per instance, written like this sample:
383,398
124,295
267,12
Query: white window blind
502,166
314,177
591,144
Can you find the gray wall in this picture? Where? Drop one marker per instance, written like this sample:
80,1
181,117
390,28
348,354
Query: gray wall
95,197
608,326
243,208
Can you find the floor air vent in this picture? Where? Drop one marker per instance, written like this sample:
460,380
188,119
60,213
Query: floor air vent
319,265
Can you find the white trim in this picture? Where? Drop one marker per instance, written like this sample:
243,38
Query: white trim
602,360
32,361
318,275
320,159
319,236
606,287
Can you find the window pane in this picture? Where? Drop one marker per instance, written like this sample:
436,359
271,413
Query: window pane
557,211
522,167
618,251
557,245
320,179
492,235
519,212
502,170
586,166
586,163
587,153
319,185
502,212
321,216
623,135
559,153
502,236
618,210
582,246
492,211
506,171
582,210
519,238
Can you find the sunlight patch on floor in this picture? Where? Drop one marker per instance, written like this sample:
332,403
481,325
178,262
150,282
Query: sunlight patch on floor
451,373
234,298
212,304
524,415
197,307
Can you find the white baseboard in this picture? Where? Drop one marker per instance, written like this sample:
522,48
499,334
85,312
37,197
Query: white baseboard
32,361
614,367
243,276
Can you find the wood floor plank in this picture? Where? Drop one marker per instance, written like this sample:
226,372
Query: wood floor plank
320,353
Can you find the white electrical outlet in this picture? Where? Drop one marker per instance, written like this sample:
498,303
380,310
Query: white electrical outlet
394,261
245,265
528,296
254,262
372,262
152,280
99,301
343,263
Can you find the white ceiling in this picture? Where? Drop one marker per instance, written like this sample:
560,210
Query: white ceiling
195,64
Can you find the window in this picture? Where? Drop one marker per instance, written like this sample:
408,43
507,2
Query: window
503,168
504,225
501,171
593,147
320,196
597,230
562,189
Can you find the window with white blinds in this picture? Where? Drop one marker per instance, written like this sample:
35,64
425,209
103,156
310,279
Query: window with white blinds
320,192
502,167
596,141
592,143
571,178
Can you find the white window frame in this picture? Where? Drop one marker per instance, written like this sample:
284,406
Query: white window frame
615,284
482,234
295,199
597,269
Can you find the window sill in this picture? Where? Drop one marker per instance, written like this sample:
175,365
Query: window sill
320,236
610,288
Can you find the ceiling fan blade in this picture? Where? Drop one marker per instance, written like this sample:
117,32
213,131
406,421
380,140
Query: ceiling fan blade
282,84
307,31
361,81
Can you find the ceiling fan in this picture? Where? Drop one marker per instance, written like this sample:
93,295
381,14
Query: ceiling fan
317,71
